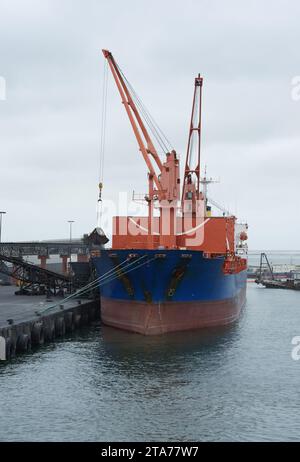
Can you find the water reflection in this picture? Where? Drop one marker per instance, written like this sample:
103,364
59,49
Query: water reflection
232,383
118,343
136,354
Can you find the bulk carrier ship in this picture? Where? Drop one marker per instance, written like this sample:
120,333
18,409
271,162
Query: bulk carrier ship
180,267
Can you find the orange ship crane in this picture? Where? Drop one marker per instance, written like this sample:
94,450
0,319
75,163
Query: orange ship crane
164,186
185,220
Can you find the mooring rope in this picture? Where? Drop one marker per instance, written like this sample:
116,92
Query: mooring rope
101,280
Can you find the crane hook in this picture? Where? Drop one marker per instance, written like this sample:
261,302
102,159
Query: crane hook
100,192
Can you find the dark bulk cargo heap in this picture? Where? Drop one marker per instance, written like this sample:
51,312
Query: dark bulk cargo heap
185,268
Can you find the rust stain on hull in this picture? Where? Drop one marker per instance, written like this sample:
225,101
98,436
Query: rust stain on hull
159,318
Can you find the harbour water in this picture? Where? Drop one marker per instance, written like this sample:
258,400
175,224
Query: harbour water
233,384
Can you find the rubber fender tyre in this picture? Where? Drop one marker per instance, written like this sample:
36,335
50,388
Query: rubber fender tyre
60,327
84,319
69,322
37,334
23,343
49,332
8,348
92,314
13,347
77,320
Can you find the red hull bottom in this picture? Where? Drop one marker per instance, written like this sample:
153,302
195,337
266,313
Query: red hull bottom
159,318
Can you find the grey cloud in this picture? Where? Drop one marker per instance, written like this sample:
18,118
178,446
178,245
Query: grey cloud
50,123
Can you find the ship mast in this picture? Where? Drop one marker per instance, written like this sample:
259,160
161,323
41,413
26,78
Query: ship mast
191,182
163,186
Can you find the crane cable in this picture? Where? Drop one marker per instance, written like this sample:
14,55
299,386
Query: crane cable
102,140
159,135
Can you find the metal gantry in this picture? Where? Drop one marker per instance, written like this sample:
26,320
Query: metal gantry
46,248
32,278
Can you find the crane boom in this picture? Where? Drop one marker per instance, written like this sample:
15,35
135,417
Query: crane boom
146,146
191,179
164,187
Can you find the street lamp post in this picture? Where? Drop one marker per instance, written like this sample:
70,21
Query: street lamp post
1,213
70,223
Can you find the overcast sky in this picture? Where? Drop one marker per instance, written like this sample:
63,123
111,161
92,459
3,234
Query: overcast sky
50,57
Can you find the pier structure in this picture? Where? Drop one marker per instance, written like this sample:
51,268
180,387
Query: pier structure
44,249
28,322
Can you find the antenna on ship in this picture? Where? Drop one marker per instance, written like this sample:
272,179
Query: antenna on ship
205,181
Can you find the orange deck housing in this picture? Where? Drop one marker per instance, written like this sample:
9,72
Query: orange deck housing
216,236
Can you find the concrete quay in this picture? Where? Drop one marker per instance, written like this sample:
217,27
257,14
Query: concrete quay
30,321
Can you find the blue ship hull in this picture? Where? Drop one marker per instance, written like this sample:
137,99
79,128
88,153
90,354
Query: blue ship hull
157,291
